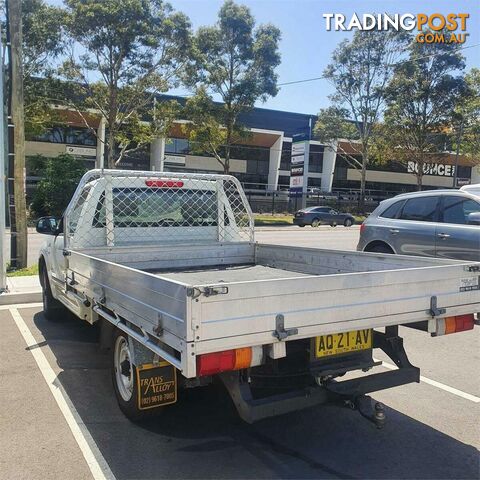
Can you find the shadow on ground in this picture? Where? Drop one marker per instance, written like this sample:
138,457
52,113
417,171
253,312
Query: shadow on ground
202,437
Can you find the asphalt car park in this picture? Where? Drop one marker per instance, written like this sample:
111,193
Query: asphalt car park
60,418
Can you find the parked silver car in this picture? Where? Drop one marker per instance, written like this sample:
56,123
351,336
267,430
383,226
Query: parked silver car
436,223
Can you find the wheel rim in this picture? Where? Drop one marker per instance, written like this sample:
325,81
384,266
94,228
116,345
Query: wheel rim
315,223
348,223
123,368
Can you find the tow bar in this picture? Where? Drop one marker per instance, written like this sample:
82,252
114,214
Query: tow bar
369,408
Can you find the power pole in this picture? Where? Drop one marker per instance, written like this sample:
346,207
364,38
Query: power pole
3,273
19,222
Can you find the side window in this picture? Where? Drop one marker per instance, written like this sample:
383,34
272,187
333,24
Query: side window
99,217
77,209
456,209
421,209
393,210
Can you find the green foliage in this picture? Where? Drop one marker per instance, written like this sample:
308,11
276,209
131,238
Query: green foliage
422,97
60,179
235,61
467,118
23,272
138,49
360,71
43,36
43,42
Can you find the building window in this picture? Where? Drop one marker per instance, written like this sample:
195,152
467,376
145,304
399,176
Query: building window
285,161
315,159
179,146
67,135
314,182
283,181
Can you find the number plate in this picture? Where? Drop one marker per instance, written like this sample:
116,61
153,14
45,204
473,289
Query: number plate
338,343
157,385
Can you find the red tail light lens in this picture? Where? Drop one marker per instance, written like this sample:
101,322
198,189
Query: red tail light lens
164,183
464,322
212,363
459,323
362,228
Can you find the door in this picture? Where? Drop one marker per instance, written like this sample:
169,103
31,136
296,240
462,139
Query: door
455,238
336,217
414,231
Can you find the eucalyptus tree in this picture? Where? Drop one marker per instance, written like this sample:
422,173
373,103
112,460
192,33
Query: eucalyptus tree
360,71
123,54
234,62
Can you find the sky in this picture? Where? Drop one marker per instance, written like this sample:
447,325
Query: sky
306,45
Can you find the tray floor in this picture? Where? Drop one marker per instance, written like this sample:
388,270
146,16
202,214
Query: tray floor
227,274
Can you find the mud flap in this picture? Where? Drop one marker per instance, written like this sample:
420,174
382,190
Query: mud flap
157,385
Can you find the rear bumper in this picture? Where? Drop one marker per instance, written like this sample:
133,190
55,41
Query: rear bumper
254,409
299,221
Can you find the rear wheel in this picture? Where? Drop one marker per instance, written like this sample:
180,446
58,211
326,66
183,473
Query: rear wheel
333,224
315,222
53,310
380,249
348,222
124,376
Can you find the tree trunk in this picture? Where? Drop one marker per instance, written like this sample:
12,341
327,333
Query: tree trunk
419,179
420,165
15,24
363,181
226,163
111,148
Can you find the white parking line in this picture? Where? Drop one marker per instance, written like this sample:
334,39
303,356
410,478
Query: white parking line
21,305
94,458
434,383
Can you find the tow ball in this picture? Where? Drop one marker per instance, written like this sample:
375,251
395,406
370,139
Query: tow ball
368,408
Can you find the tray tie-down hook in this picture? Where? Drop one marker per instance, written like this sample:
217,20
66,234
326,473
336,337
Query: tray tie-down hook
435,311
280,331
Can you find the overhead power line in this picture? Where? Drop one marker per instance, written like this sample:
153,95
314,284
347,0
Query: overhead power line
408,60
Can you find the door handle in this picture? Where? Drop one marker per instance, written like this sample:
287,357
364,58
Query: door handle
394,230
443,235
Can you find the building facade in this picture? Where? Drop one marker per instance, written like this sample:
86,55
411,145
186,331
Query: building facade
261,163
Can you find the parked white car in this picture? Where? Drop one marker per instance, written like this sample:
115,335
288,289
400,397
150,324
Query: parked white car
472,189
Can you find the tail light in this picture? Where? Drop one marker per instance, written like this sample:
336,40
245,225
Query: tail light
163,183
362,228
459,323
212,363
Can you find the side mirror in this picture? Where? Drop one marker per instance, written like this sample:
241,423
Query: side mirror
48,225
473,218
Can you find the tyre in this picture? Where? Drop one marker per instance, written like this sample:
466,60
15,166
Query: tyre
380,249
301,226
124,377
333,224
348,222
53,310
315,222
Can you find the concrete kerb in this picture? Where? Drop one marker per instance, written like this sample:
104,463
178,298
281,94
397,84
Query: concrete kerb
22,290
